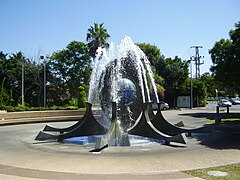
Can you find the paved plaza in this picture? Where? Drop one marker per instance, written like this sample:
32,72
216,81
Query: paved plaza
21,157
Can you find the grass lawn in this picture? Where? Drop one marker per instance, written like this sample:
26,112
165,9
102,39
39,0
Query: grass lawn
233,171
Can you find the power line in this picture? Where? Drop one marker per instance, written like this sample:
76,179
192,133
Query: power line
185,54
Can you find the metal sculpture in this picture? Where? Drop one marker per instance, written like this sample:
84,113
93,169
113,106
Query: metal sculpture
87,126
124,88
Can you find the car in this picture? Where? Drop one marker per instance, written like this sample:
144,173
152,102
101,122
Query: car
163,106
234,101
224,103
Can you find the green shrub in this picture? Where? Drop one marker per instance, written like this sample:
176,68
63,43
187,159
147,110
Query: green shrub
73,102
82,97
28,108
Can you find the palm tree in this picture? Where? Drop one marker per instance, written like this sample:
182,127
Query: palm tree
97,37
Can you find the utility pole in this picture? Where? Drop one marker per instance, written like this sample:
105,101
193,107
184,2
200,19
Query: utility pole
197,58
197,61
191,88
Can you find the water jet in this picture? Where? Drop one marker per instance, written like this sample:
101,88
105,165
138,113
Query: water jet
122,85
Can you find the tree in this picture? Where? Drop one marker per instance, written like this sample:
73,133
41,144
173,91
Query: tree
153,54
5,96
70,68
10,75
175,73
3,61
199,93
33,82
11,78
210,84
225,56
199,90
97,36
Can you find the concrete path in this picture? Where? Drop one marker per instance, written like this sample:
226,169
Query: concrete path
21,157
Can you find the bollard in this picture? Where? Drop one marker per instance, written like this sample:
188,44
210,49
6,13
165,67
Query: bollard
228,109
217,109
218,118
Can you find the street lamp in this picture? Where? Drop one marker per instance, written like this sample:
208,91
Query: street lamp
22,83
44,80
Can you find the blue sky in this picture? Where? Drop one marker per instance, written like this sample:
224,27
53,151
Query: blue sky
46,26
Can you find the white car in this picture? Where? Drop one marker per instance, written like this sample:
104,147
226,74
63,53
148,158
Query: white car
163,106
234,101
224,103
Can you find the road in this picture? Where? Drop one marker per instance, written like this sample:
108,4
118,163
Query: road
211,106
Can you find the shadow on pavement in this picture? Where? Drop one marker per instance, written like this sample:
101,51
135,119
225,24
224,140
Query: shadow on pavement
224,136
211,115
206,115
220,140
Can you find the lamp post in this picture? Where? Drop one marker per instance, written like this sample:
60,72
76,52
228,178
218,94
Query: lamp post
191,99
44,80
216,94
22,83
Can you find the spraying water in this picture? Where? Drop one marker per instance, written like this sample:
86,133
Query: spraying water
126,61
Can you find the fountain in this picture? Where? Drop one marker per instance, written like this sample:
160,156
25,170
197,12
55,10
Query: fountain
122,85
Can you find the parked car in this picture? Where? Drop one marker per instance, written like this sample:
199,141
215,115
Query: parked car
163,106
234,101
224,103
